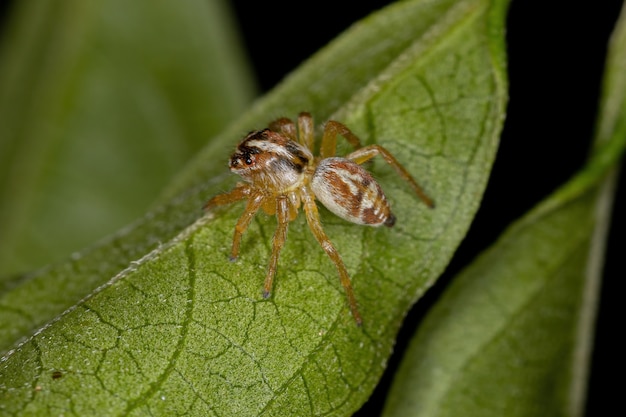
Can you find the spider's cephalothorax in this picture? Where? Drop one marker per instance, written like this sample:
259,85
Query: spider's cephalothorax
270,160
281,174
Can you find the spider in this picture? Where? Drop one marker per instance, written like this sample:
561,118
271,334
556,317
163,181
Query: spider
281,174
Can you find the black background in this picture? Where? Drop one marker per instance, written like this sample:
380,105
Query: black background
556,55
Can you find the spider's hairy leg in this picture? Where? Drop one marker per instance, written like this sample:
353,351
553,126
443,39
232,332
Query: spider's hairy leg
313,219
328,147
254,203
240,192
368,152
285,127
306,131
329,139
278,241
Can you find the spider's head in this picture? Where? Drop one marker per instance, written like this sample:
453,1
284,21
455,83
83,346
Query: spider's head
245,157
268,159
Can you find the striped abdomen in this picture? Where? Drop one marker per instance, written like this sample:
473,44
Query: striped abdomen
349,191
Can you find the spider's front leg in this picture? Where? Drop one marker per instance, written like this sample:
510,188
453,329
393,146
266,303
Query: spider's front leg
278,241
313,219
254,203
363,155
255,200
240,192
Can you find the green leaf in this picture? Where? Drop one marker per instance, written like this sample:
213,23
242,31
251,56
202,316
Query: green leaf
512,335
157,321
101,102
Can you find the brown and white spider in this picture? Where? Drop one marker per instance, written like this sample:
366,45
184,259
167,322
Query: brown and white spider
281,173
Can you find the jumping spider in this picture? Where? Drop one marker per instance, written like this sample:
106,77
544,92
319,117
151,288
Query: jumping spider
281,173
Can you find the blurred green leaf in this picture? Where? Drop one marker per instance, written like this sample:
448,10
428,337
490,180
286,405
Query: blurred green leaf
157,321
101,102
512,335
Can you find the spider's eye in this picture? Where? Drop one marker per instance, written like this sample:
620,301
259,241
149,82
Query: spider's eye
248,160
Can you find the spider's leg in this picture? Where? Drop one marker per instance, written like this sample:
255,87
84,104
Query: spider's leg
368,152
284,126
329,140
278,241
254,203
313,219
306,134
240,192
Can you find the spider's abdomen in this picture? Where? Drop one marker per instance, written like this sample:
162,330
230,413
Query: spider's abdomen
350,192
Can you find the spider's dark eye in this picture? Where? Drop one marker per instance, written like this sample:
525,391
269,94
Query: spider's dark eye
248,161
